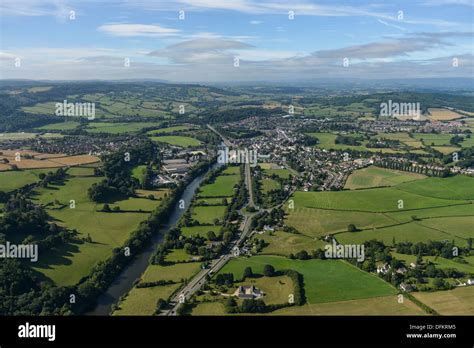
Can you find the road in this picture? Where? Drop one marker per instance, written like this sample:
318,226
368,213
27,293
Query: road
196,283
226,141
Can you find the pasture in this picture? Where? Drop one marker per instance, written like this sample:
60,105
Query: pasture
386,305
177,140
324,280
69,263
375,176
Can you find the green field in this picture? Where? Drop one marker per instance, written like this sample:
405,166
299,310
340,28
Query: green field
177,272
142,301
177,255
440,262
168,130
269,185
119,127
61,126
387,305
177,140
23,136
371,200
223,186
412,232
199,230
433,209
68,264
206,215
12,180
283,243
375,176
324,280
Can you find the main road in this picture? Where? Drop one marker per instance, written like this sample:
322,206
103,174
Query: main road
196,283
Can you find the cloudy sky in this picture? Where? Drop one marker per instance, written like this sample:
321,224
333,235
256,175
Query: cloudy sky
235,40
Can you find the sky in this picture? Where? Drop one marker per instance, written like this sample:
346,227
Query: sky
235,40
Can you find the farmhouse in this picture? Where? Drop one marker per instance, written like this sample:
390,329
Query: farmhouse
248,292
406,287
383,268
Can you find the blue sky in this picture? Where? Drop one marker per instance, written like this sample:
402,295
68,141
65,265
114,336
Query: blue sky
235,40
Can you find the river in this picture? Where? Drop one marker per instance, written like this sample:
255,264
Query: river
124,282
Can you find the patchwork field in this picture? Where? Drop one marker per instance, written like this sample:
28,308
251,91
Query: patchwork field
35,160
206,215
283,243
387,305
223,186
119,127
325,280
459,301
142,301
12,180
433,209
439,114
68,264
375,176
177,140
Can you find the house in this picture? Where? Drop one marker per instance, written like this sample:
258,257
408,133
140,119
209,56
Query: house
248,292
413,265
470,282
383,268
406,287
401,270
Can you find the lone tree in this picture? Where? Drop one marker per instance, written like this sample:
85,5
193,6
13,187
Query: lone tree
268,271
352,228
248,272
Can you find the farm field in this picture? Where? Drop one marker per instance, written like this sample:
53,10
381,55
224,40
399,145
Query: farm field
209,308
223,186
41,160
375,176
199,230
269,185
276,289
169,130
177,140
12,180
440,262
68,264
60,126
325,280
459,301
372,200
177,255
176,272
142,301
433,209
119,127
23,136
206,215
439,114
387,305
283,243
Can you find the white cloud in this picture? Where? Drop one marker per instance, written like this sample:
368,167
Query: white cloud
129,30
256,22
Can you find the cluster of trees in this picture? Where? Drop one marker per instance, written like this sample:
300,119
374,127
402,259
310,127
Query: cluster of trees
465,155
448,250
347,140
408,167
272,218
117,169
